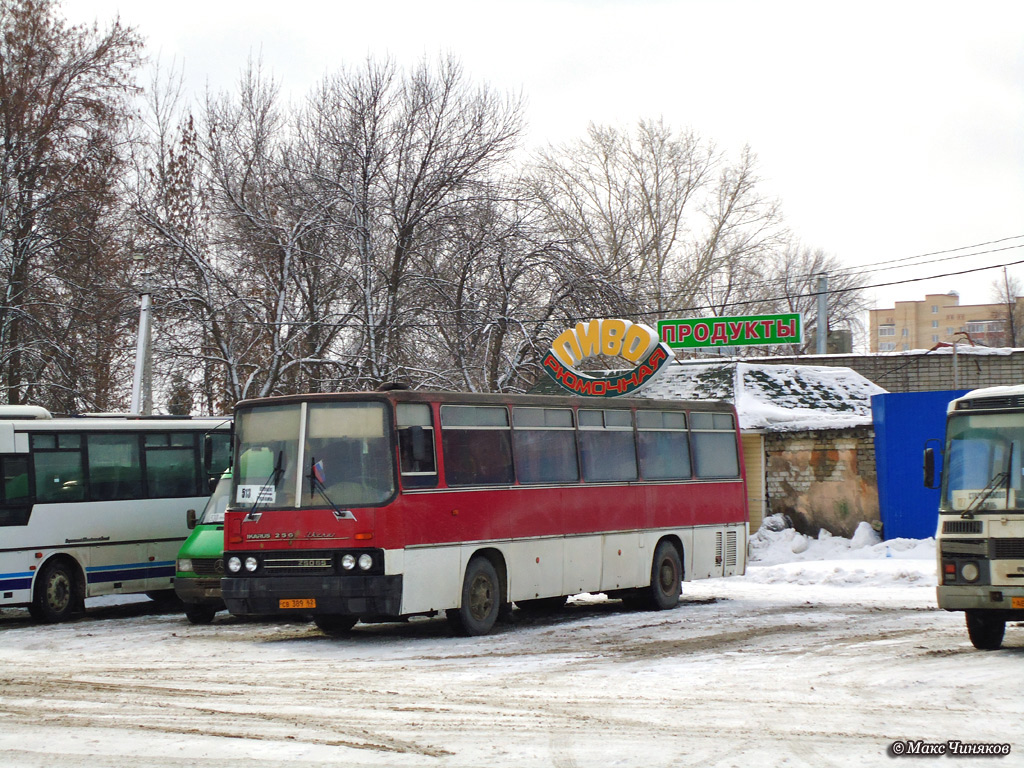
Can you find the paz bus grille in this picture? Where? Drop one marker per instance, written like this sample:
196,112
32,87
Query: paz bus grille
1008,549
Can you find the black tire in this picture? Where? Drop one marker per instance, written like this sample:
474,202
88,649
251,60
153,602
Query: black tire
200,614
542,605
986,631
335,624
666,578
57,594
481,600
166,598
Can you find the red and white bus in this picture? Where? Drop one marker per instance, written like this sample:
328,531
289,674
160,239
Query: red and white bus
383,505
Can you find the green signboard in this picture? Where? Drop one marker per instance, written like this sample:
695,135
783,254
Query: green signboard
731,331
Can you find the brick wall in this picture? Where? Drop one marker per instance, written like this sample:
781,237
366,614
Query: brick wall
926,372
823,479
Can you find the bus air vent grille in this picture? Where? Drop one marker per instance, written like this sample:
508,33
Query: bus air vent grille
961,526
1008,549
1005,401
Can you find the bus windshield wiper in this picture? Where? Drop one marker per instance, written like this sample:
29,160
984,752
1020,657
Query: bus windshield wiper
998,480
272,478
316,485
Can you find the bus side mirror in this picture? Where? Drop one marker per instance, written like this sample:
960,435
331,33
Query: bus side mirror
929,468
190,519
420,447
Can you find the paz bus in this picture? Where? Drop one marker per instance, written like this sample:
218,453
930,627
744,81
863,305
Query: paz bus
95,506
380,506
980,538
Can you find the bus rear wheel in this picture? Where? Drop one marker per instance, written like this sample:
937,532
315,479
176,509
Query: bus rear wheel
986,631
56,596
666,578
481,600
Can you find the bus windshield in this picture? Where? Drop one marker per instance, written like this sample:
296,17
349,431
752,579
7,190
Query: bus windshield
213,512
983,463
335,454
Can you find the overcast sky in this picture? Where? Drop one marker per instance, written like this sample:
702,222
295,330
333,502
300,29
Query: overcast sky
886,129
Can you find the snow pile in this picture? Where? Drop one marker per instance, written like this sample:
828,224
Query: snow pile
780,554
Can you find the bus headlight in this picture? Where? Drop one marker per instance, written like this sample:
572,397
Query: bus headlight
185,565
234,564
348,562
251,564
969,572
365,562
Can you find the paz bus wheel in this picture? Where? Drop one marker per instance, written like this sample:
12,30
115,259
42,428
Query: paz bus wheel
55,596
666,578
481,600
986,632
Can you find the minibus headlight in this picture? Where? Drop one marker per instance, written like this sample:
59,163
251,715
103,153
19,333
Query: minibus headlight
365,562
185,565
348,562
251,564
969,572
234,564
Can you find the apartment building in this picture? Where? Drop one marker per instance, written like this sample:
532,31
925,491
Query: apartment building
940,318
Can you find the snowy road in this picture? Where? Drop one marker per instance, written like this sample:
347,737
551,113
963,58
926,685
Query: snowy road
809,663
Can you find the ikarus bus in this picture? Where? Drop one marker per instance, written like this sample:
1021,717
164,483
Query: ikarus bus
95,506
980,538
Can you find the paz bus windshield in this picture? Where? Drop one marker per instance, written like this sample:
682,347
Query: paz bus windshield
983,462
314,454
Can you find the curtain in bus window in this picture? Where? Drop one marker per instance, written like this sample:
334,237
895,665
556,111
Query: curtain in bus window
608,455
59,476
546,456
715,454
115,471
477,457
663,455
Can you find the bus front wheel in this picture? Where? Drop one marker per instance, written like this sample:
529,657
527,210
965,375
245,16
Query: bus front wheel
335,624
56,597
481,600
986,631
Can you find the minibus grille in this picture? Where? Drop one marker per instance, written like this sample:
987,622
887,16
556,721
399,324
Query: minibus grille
208,566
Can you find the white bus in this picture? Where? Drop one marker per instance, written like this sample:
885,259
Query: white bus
98,505
980,539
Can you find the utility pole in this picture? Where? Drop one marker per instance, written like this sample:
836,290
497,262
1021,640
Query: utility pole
142,384
822,314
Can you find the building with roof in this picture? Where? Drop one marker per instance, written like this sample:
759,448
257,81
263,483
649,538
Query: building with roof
808,440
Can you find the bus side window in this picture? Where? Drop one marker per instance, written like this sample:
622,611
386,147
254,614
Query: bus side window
416,445
115,471
59,471
545,445
714,445
15,501
607,445
477,445
171,465
662,445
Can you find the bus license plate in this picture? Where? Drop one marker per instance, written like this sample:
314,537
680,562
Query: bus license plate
299,602
1017,603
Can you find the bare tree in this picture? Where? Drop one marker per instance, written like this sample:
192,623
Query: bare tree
1008,291
64,107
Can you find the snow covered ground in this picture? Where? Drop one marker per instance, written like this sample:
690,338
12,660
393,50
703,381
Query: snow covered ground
824,654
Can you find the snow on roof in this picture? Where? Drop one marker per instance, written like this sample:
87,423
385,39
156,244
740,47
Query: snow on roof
775,398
